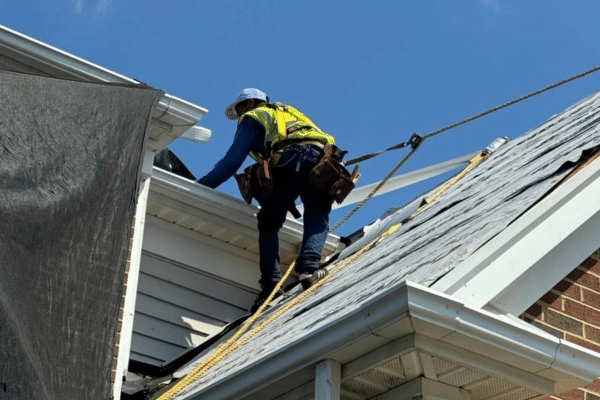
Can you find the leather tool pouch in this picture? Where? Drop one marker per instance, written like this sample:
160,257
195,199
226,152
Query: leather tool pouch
332,177
264,181
243,181
255,182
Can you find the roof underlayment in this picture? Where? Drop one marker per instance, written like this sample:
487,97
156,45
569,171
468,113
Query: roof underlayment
433,241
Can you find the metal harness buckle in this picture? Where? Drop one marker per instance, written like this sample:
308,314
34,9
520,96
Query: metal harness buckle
415,140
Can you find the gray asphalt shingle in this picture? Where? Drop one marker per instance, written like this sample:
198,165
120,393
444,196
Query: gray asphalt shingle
433,242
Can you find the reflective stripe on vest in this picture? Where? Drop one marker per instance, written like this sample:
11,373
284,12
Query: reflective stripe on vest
285,122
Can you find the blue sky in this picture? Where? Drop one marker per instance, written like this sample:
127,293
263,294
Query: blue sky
369,72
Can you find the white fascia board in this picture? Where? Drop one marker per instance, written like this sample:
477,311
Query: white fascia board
182,114
378,317
228,208
131,288
46,55
518,266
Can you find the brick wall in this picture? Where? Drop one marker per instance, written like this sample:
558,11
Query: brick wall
113,372
571,311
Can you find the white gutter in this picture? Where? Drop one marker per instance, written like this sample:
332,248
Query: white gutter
56,62
232,213
523,355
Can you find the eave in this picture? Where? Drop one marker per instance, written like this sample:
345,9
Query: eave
204,212
411,322
171,119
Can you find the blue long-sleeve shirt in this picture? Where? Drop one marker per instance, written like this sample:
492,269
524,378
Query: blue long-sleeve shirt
250,136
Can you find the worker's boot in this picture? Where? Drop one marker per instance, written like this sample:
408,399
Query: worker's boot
262,297
309,279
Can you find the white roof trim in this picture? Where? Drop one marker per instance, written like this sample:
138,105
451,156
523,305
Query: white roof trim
60,62
498,346
231,211
400,181
514,269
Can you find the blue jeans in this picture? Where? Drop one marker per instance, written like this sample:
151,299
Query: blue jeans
290,181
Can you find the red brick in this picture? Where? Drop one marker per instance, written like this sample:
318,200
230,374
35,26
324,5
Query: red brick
575,274
592,316
590,281
591,298
590,263
594,386
553,300
592,334
563,322
583,343
568,289
546,328
575,394
535,310
575,309
595,269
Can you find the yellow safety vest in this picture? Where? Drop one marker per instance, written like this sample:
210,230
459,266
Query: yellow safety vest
284,122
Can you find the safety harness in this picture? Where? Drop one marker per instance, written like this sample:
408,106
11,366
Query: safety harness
284,126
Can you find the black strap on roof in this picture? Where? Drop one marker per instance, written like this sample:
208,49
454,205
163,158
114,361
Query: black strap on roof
412,141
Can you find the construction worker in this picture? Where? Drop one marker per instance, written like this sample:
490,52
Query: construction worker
294,145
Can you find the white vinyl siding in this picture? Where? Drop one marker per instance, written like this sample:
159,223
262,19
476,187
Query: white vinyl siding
178,307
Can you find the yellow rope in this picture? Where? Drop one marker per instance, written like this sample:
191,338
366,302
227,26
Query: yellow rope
198,370
451,182
233,343
230,345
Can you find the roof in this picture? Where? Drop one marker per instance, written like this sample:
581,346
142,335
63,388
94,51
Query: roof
172,117
431,243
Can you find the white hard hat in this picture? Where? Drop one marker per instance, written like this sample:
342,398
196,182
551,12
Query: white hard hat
246,94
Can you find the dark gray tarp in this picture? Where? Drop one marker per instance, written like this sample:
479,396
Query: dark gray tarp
70,158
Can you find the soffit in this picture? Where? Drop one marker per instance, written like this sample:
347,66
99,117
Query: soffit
392,374
383,380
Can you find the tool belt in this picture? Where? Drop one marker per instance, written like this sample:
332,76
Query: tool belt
329,175
256,182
